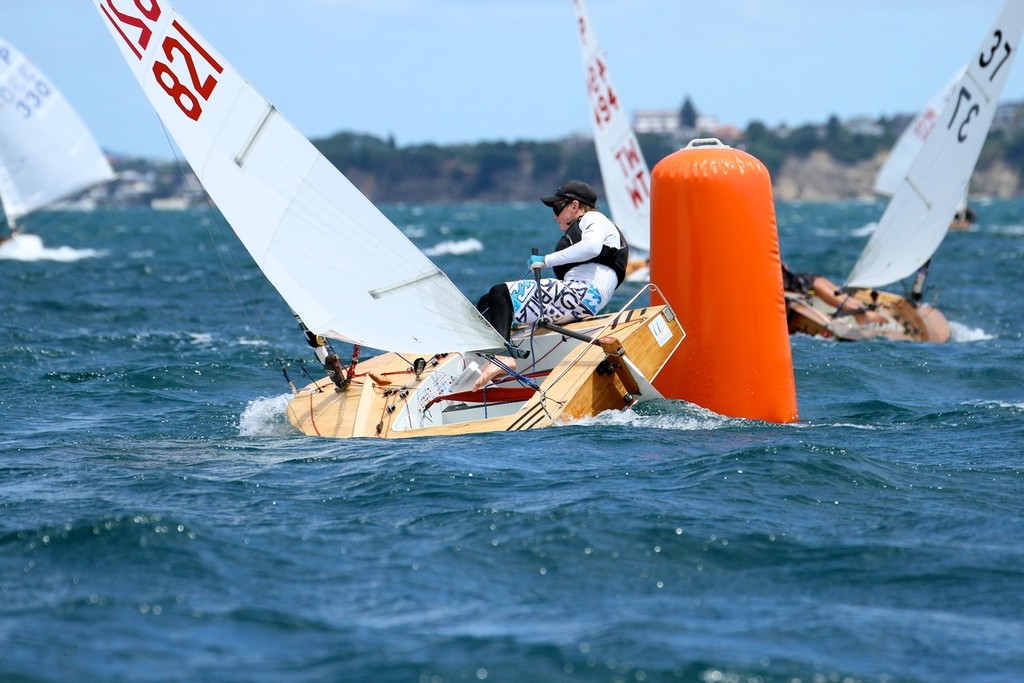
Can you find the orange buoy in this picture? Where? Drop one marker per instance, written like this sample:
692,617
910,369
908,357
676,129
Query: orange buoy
715,258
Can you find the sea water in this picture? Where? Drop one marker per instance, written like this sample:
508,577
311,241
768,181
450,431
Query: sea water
160,520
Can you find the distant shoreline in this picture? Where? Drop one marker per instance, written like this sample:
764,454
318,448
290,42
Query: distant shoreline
819,163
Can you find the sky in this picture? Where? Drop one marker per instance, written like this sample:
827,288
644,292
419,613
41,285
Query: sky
451,71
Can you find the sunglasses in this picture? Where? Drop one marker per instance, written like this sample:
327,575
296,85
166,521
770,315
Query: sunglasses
559,207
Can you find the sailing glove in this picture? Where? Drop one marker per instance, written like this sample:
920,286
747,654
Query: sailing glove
536,262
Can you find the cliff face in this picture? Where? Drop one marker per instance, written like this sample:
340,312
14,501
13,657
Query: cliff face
816,164
999,180
815,178
820,178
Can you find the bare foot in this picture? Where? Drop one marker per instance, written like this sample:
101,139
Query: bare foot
491,372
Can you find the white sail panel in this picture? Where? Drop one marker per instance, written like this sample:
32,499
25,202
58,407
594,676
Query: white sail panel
624,173
341,265
909,143
917,219
46,152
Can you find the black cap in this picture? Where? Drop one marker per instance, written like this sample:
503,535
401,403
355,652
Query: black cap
574,189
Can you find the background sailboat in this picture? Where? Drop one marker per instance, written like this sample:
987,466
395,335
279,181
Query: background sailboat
917,218
624,172
46,151
925,199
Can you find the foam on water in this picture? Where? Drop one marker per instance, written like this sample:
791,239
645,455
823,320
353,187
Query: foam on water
201,338
1016,407
416,231
1015,230
266,417
962,333
455,247
24,247
866,231
662,414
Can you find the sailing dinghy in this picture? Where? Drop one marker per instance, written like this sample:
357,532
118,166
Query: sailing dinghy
46,152
349,274
917,217
624,172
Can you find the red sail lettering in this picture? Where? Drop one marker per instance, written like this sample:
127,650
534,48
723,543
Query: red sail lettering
638,191
628,158
186,96
151,13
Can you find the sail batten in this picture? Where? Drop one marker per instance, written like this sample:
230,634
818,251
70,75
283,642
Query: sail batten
46,151
921,195
382,292
322,244
917,218
244,153
969,75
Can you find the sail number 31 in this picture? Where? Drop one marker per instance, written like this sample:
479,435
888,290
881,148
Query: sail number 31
997,55
185,85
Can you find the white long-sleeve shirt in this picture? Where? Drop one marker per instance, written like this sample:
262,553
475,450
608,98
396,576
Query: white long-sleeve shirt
596,231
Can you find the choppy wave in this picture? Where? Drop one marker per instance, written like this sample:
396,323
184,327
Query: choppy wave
266,417
415,231
1017,407
25,247
455,247
160,518
963,333
1015,230
662,414
865,231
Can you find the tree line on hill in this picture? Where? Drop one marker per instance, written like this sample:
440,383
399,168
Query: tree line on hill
525,170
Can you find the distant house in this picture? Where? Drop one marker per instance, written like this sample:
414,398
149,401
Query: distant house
657,121
667,122
863,125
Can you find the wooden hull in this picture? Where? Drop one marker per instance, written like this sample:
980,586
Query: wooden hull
638,270
576,379
902,320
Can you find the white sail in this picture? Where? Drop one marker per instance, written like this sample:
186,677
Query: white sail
624,173
341,265
46,152
912,138
917,218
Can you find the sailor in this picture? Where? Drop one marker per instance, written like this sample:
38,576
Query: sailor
963,219
589,263
811,284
